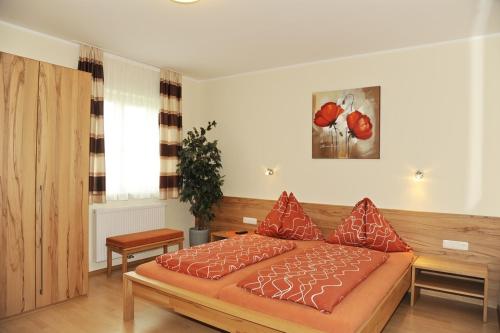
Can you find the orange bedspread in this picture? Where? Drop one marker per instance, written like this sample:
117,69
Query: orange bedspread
210,287
347,317
319,277
217,259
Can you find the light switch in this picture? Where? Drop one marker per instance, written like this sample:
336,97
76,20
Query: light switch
249,220
455,245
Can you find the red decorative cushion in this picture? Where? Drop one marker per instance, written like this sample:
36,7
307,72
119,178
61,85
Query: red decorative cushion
352,231
296,224
272,223
367,227
380,235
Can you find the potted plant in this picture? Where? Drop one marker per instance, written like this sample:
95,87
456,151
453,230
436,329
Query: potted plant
199,166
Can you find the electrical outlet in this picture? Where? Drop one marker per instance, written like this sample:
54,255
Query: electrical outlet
455,245
249,220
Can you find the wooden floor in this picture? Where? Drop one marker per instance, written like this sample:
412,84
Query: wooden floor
101,311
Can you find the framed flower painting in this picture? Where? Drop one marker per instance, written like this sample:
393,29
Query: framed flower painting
346,124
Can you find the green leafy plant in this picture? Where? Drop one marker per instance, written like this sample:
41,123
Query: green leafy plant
199,166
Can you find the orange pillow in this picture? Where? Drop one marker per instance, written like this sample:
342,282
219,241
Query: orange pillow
352,231
296,224
380,235
367,227
272,223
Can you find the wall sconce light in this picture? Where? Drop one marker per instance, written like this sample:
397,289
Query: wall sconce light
269,172
419,175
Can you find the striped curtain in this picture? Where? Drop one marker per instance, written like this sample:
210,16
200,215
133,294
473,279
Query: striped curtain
170,122
91,61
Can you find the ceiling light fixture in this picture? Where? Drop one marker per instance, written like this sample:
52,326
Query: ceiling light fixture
185,1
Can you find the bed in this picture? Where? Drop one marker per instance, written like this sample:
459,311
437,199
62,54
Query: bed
222,304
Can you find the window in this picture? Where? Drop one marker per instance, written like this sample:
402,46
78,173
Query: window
131,106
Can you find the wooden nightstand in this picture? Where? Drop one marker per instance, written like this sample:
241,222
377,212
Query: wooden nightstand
219,235
452,277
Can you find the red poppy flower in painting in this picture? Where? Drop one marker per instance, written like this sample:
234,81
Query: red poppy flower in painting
328,114
359,125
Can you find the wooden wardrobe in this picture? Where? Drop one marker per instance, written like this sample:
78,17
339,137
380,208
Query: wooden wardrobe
44,162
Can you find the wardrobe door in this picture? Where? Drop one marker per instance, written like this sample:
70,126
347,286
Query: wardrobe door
62,183
18,112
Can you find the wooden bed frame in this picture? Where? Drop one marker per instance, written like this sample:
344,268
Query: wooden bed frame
233,318
424,231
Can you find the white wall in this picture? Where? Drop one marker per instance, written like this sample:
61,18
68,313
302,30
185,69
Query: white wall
440,112
34,45
30,44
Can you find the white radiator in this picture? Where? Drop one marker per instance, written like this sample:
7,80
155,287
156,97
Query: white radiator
111,221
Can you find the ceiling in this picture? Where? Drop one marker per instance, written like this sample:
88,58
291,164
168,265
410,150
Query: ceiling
214,38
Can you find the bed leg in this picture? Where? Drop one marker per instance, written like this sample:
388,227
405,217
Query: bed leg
128,300
124,262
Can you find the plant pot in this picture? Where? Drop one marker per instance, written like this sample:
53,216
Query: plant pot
198,236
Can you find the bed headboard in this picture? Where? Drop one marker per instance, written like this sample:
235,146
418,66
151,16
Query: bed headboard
424,231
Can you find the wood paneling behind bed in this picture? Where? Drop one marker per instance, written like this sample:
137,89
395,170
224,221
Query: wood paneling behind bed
424,231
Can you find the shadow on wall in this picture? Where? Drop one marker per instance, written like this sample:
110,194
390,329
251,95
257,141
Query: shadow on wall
474,180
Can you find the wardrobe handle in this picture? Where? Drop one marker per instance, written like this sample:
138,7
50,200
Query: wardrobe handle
41,240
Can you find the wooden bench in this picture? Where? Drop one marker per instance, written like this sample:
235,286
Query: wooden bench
141,241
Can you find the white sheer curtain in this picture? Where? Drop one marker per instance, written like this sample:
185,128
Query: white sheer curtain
131,107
